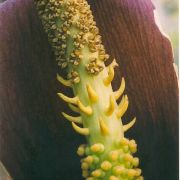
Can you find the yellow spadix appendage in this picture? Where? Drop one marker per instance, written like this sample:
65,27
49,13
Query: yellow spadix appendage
104,128
74,108
85,109
120,91
110,107
91,93
82,131
64,81
72,118
107,81
129,125
122,108
67,99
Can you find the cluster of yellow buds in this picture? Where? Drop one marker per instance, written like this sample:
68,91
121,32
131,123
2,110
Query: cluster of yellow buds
112,165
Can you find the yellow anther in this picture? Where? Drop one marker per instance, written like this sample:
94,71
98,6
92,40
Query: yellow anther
113,155
85,109
122,110
72,118
97,173
135,162
89,159
118,170
110,76
91,93
74,108
138,172
110,107
103,127
64,81
85,173
131,173
106,165
113,178
68,99
97,148
120,91
129,125
81,150
82,131
84,166
128,157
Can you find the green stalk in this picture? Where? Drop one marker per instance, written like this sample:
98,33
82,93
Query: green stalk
77,45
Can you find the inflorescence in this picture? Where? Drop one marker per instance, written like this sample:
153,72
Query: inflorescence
78,49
